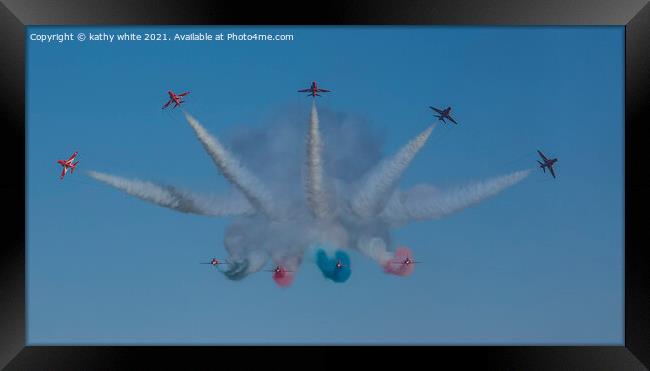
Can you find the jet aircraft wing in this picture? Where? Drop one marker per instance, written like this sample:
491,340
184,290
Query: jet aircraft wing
542,155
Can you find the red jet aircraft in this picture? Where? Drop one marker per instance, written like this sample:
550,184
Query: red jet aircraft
547,163
278,270
214,262
444,114
176,99
313,90
67,164
406,261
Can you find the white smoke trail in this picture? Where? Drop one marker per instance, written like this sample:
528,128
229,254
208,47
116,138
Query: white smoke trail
374,248
373,194
428,203
176,199
256,261
316,194
233,170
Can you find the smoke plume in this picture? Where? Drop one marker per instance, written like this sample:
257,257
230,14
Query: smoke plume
288,198
232,170
328,266
397,266
176,199
372,195
316,195
426,202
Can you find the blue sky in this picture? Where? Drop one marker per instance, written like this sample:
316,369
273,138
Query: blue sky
541,263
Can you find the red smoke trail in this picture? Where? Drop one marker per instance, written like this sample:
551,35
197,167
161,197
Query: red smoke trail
396,266
283,279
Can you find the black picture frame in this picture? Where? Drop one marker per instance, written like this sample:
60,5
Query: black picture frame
15,15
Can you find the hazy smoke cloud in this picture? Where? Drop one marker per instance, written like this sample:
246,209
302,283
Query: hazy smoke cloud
331,190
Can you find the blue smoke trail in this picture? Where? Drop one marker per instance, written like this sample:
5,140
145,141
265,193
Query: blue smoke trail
237,270
328,265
